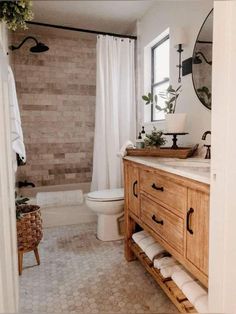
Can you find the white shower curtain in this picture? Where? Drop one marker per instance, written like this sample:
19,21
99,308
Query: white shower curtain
115,119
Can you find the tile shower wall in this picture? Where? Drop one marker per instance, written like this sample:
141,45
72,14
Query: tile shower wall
56,93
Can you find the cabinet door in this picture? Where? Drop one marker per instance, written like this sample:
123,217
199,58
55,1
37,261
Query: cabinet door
133,189
197,226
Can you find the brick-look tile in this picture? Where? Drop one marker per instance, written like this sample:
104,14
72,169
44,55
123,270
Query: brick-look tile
56,93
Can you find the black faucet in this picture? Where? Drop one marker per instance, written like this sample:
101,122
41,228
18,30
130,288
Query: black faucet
208,152
20,184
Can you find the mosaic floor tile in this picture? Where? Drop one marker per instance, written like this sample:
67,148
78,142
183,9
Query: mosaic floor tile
80,274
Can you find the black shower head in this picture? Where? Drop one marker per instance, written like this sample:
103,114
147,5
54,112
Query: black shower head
39,47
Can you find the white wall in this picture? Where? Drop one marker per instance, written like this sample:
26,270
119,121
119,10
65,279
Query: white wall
188,15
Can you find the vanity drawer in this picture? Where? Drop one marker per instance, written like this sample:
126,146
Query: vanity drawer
167,225
165,189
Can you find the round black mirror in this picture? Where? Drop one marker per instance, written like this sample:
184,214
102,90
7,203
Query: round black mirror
202,62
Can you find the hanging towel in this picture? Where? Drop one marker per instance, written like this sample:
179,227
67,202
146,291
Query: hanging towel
16,130
154,250
181,277
201,304
138,236
194,291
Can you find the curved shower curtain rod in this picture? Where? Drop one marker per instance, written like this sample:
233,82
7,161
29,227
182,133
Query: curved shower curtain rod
81,30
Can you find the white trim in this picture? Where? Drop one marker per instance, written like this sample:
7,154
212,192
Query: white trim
8,256
222,270
147,75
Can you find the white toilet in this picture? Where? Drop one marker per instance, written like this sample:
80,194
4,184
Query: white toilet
109,206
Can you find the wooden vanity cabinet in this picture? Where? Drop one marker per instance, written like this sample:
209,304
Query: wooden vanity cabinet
173,209
133,189
197,229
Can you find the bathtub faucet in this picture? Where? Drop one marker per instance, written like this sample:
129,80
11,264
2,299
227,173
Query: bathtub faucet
21,184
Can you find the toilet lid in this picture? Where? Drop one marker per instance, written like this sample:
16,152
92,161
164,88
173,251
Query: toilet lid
107,195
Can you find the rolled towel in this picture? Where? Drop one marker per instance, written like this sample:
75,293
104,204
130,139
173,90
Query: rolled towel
181,277
194,291
164,262
144,243
138,236
153,250
201,304
122,152
169,270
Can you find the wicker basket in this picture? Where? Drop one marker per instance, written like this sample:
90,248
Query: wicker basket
29,228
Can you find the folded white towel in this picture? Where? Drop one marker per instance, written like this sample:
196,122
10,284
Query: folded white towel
201,304
169,270
153,250
138,236
122,152
193,291
144,243
164,262
181,277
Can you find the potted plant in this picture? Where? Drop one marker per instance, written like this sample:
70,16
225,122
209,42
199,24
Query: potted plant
175,122
16,13
155,139
29,229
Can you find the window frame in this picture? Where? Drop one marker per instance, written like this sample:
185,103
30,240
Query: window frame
153,85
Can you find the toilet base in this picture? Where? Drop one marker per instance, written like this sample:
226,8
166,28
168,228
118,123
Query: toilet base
107,227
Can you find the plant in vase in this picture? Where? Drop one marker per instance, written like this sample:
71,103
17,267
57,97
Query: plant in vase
29,229
175,122
155,139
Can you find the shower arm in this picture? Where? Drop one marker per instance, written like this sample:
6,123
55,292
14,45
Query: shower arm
22,43
203,56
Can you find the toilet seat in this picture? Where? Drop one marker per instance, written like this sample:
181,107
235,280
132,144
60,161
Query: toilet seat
106,195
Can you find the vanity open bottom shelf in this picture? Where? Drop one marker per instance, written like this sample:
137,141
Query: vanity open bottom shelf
167,284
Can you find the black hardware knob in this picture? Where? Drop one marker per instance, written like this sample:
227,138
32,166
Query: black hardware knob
189,213
155,187
160,222
134,188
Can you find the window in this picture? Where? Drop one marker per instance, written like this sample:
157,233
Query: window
160,74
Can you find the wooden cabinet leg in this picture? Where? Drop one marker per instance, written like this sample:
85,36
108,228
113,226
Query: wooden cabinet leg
129,229
36,253
20,262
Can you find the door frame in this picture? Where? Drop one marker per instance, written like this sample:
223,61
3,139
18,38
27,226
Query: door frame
222,261
8,249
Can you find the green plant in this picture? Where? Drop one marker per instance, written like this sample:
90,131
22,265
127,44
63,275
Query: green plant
16,13
170,95
149,98
18,202
155,139
204,95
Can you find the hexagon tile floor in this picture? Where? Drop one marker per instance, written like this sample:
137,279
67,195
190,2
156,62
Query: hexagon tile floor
80,274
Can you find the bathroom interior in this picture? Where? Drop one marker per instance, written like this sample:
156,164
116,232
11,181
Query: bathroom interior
112,106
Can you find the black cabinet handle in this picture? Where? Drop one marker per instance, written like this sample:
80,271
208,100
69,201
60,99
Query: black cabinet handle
157,188
190,211
134,185
160,222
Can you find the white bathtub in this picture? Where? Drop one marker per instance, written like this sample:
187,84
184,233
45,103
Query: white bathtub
61,215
